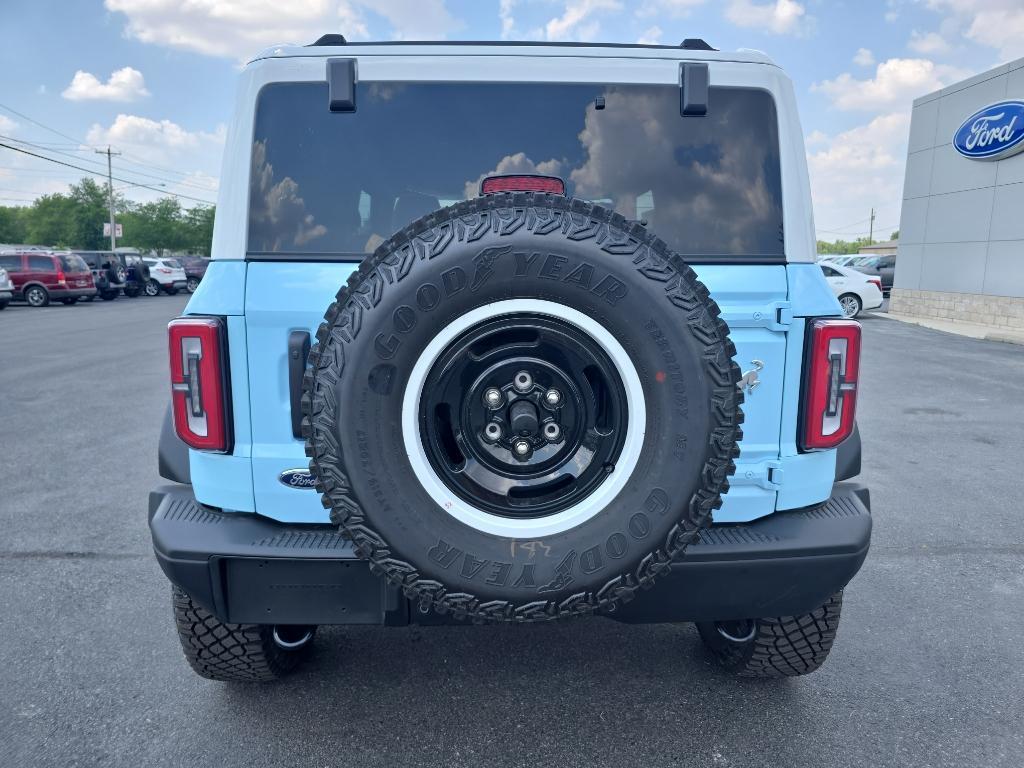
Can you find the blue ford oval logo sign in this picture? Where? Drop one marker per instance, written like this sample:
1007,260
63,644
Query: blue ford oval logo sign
297,478
992,133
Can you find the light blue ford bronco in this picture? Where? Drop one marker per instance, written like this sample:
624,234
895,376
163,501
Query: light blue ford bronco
482,326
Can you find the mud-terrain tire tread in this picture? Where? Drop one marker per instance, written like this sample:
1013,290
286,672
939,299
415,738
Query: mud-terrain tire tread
427,235
217,650
787,646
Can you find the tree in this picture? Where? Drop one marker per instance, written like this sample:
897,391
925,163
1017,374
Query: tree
75,220
199,226
895,235
12,225
840,247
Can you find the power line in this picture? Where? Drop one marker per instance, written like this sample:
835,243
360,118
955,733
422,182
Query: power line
100,164
96,173
44,127
82,146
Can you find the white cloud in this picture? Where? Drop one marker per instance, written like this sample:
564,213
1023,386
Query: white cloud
897,82
577,22
143,133
676,9
125,84
782,17
995,24
241,28
864,58
857,170
651,36
928,43
7,126
508,22
414,19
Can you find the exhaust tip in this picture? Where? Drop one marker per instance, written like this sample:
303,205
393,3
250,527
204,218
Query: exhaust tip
291,637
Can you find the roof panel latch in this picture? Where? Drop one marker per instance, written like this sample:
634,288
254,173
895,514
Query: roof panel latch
693,89
341,85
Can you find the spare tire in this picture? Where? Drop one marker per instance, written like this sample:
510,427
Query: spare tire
438,373
116,272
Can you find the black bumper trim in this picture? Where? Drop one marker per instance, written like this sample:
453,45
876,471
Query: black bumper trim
246,568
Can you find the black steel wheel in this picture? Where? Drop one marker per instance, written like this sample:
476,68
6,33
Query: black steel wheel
523,415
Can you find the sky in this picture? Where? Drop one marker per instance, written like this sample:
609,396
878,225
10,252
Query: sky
154,79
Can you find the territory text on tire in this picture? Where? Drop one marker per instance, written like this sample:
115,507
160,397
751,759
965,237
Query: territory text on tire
564,400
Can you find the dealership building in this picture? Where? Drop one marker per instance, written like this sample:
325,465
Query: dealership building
961,245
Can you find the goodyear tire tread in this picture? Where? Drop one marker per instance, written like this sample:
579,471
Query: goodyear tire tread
425,239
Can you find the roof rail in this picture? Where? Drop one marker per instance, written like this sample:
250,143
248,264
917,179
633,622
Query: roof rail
330,39
695,44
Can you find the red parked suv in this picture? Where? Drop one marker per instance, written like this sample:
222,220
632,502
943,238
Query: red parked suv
40,277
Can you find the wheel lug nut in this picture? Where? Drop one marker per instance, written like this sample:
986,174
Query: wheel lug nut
493,398
523,382
552,432
493,431
552,397
521,448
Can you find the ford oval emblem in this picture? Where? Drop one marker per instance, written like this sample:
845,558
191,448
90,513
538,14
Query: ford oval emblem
992,133
297,478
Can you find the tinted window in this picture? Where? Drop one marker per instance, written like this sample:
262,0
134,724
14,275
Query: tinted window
41,264
829,272
342,182
172,263
73,263
11,263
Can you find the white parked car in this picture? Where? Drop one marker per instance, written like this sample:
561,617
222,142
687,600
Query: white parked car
164,274
855,290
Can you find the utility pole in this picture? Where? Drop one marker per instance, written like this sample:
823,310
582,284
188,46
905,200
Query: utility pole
871,229
110,193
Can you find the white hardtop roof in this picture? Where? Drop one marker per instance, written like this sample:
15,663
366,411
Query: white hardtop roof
508,48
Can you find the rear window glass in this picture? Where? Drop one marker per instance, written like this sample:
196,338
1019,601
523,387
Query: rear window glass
172,263
340,183
73,263
41,264
11,263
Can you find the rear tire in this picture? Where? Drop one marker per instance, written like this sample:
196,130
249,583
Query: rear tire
787,646
171,291
247,653
37,296
152,288
108,295
69,302
851,305
192,284
132,293
3,305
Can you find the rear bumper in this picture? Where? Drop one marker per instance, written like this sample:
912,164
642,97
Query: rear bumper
245,568
72,293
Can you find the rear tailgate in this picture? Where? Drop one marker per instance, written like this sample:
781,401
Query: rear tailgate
282,297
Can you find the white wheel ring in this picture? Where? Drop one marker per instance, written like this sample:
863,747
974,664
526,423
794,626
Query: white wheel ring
548,525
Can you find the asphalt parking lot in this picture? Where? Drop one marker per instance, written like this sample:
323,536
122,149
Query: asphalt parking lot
927,670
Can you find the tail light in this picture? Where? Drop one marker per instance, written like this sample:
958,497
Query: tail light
60,276
832,368
877,282
199,382
524,182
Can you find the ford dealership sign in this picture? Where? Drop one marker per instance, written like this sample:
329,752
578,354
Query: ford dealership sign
995,132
